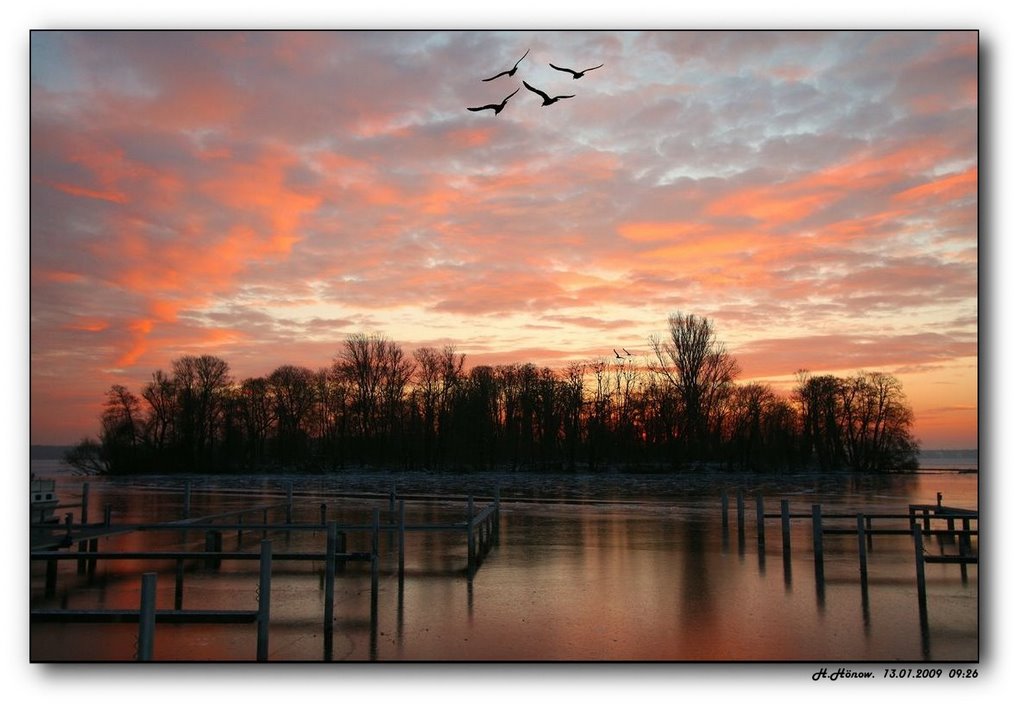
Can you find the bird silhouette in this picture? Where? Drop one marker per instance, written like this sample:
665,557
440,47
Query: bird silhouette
511,71
575,74
617,355
496,107
627,351
548,100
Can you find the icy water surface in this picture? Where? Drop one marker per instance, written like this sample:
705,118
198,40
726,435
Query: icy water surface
588,567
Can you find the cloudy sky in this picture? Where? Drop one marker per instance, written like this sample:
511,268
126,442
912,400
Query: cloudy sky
260,196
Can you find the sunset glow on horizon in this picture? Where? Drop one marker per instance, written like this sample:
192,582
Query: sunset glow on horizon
260,196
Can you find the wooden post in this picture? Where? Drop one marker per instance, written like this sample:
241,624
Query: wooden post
85,503
214,544
179,565
964,551
69,519
862,550
107,512
819,541
323,514
497,513
265,512
147,616
785,526
84,515
759,507
187,501
401,541
263,611
469,537
740,513
922,598
94,547
725,511
179,583
927,522
375,567
51,577
330,559
239,530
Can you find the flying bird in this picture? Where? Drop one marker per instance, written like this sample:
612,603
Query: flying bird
496,107
575,74
627,351
510,71
617,355
548,100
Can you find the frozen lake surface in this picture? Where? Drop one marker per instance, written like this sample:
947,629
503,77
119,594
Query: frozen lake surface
591,567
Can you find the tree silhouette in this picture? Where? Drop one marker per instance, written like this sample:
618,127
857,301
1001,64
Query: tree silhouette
375,406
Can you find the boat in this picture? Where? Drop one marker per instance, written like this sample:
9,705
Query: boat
43,501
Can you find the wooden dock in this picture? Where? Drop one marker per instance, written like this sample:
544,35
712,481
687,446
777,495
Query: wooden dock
53,544
916,524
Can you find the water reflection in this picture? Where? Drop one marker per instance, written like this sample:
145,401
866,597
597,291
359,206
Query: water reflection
584,578
696,598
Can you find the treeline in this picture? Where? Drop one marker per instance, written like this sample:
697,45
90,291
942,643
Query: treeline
376,405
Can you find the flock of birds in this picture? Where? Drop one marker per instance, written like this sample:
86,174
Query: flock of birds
547,100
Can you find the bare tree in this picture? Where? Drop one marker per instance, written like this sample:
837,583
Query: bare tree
698,366
256,411
202,384
161,396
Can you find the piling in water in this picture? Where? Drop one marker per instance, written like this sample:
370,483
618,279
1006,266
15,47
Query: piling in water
375,568
401,541
329,571
147,616
84,514
497,513
785,527
819,553
263,611
179,583
922,598
94,547
214,544
862,550
759,508
469,537
51,578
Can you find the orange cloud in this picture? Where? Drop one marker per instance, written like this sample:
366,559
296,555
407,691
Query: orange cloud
947,188
89,325
787,203
76,191
137,346
773,204
654,231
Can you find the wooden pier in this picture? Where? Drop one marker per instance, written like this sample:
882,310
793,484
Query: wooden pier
916,524
79,544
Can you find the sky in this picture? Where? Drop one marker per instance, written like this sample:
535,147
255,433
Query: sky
261,196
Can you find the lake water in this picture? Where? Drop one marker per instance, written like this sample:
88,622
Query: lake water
589,567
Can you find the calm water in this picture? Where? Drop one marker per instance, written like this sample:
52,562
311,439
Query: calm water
589,567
